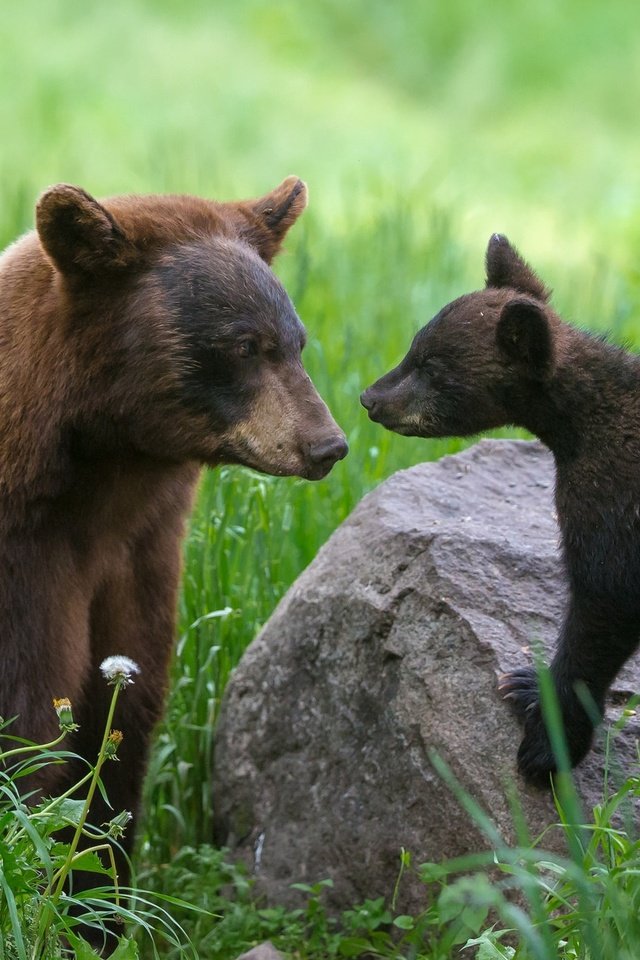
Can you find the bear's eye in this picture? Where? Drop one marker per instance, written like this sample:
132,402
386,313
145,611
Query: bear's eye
247,348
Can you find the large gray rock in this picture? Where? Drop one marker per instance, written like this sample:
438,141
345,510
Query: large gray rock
388,645
264,951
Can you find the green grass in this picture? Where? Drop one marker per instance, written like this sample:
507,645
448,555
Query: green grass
581,904
421,128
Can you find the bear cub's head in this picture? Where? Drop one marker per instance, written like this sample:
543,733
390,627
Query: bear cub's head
187,344
474,365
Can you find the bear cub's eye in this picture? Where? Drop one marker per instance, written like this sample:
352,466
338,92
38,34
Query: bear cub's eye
247,348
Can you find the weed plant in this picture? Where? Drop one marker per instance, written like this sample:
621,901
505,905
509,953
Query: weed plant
46,841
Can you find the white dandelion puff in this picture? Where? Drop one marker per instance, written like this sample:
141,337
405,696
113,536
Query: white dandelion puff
119,669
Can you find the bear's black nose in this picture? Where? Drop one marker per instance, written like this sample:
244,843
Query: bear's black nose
368,401
328,451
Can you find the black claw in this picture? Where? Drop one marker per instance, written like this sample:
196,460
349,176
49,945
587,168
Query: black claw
536,761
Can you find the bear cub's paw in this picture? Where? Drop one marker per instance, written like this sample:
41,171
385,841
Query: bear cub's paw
536,760
535,756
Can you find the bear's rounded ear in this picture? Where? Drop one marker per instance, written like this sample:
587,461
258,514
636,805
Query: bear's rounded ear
524,336
78,234
268,219
506,268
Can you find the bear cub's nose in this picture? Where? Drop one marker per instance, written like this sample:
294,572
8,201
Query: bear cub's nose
368,401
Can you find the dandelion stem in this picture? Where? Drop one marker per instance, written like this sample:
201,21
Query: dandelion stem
33,748
50,899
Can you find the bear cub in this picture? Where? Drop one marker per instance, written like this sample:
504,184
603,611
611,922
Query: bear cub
502,356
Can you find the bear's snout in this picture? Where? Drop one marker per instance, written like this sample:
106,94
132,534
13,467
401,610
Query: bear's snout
323,454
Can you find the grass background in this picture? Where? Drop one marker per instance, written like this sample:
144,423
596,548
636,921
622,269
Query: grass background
421,128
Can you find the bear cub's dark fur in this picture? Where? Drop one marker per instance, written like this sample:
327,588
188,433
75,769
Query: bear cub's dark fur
502,356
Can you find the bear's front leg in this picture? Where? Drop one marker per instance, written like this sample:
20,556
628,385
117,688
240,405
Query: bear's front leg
133,613
592,648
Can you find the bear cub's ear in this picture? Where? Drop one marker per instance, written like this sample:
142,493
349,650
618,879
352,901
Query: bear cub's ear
269,218
506,268
524,336
78,233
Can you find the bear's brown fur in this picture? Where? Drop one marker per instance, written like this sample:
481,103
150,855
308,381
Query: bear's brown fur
140,337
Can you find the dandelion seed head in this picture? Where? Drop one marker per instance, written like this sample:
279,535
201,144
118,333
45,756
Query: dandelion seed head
119,669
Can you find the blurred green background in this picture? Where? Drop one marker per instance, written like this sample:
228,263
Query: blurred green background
521,117
421,128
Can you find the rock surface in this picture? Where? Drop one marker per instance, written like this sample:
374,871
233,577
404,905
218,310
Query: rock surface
264,951
388,645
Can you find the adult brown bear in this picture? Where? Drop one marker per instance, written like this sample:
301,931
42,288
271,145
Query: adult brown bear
140,337
503,356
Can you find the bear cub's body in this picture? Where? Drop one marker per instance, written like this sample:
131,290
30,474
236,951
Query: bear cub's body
502,356
140,338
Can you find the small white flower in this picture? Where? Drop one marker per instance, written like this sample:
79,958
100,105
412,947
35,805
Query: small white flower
119,669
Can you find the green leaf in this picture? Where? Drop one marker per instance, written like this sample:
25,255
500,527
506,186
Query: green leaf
474,916
272,913
489,948
126,950
353,946
82,950
67,813
449,907
16,928
404,922
314,888
430,872
90,862
40,845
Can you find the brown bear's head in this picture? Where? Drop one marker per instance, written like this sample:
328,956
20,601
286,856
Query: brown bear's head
187,342
477,361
